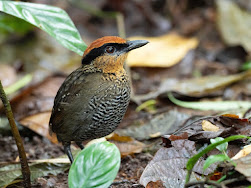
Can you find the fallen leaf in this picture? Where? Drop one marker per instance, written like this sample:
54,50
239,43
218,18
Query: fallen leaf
119,138
169,164
195,87
163,51
227,126
39,123
159,125
176,137
231,116
41,168
32,107
126,144
243,166
234,24
37,98
244,152
208,126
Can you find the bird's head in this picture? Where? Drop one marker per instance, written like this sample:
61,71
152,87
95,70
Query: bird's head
109,53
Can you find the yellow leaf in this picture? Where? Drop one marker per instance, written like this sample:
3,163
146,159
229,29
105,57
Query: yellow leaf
163,51
208,126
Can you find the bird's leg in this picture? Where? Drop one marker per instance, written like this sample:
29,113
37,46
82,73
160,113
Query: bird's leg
67,150
79,144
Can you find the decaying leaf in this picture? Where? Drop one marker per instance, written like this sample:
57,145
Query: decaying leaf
228,125
159,125
169,164
163,51
234,24
195,87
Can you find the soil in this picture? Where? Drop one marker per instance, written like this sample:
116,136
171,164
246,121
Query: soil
37,147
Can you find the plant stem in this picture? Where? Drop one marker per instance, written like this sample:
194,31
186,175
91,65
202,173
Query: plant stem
19,143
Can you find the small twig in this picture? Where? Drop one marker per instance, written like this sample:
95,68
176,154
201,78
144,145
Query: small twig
19,143
203,183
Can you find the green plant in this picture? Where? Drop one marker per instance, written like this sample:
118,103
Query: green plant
246,65
219,157
193,160
52,20
95,166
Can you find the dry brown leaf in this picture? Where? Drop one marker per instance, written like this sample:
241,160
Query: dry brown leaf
39,123
163,51
208,126
127,145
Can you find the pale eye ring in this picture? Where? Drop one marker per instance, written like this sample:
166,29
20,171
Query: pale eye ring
110,49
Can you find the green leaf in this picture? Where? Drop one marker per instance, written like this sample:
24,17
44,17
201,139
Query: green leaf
53,20
193,160
222,147
213,159
95,166
212,105
11,24
246,65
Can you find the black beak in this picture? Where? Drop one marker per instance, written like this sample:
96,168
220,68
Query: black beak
135,44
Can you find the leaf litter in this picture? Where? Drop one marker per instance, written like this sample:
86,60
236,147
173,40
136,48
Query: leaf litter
198,88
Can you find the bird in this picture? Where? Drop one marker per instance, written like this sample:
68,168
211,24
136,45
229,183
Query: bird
93,99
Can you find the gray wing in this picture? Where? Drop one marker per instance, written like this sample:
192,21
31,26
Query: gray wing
72,101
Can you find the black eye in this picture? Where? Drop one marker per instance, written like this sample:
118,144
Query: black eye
110,49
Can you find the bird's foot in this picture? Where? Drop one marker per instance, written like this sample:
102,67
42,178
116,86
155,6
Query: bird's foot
67,150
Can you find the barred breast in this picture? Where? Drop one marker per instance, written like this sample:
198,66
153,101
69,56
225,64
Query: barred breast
106,110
